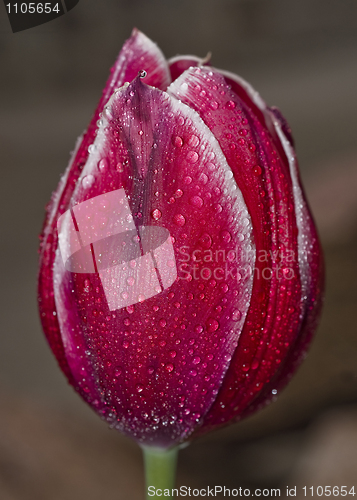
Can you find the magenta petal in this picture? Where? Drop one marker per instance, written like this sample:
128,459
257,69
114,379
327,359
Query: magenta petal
278,300
162,322
138,53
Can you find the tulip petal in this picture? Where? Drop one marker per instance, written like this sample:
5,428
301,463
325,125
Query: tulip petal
312,277
138,53
310,256
264,179
182,259
179,64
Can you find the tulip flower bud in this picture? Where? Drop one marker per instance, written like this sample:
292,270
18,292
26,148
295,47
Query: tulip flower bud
181,272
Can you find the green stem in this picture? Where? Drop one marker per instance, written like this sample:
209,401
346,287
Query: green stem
160,470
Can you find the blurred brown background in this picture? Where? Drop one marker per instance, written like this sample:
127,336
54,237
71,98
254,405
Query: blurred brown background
302,57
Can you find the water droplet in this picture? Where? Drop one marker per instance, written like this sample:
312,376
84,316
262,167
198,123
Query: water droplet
226,236
173,354
274,391
203,178
192,156
177,141
108,113
231,105
180,220
212,325
214,105
141,132
196,201
169,367
162,322
257,170
139,387
102,164
178,193
187,180
236,315
196,360
193,141
156,214
130,281
206,240
142,73
255,364
87,181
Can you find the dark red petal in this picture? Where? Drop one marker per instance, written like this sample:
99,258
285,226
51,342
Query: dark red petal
138,53
158,347
310,252
179,64
312,277
261,173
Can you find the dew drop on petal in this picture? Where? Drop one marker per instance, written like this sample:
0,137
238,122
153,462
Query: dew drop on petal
192,156
103,165
156,214
226,236
177,140
230,105
212,325
236,315
179,220
87,181
206,240
130,281
196,201
257,170
193,141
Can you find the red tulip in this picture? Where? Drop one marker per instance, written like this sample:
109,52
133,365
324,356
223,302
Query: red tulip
181,272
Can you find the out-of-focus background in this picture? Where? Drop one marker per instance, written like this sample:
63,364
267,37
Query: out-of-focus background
302,56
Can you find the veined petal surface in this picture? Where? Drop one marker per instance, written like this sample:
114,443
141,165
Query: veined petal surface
158,362
138,53
264,178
